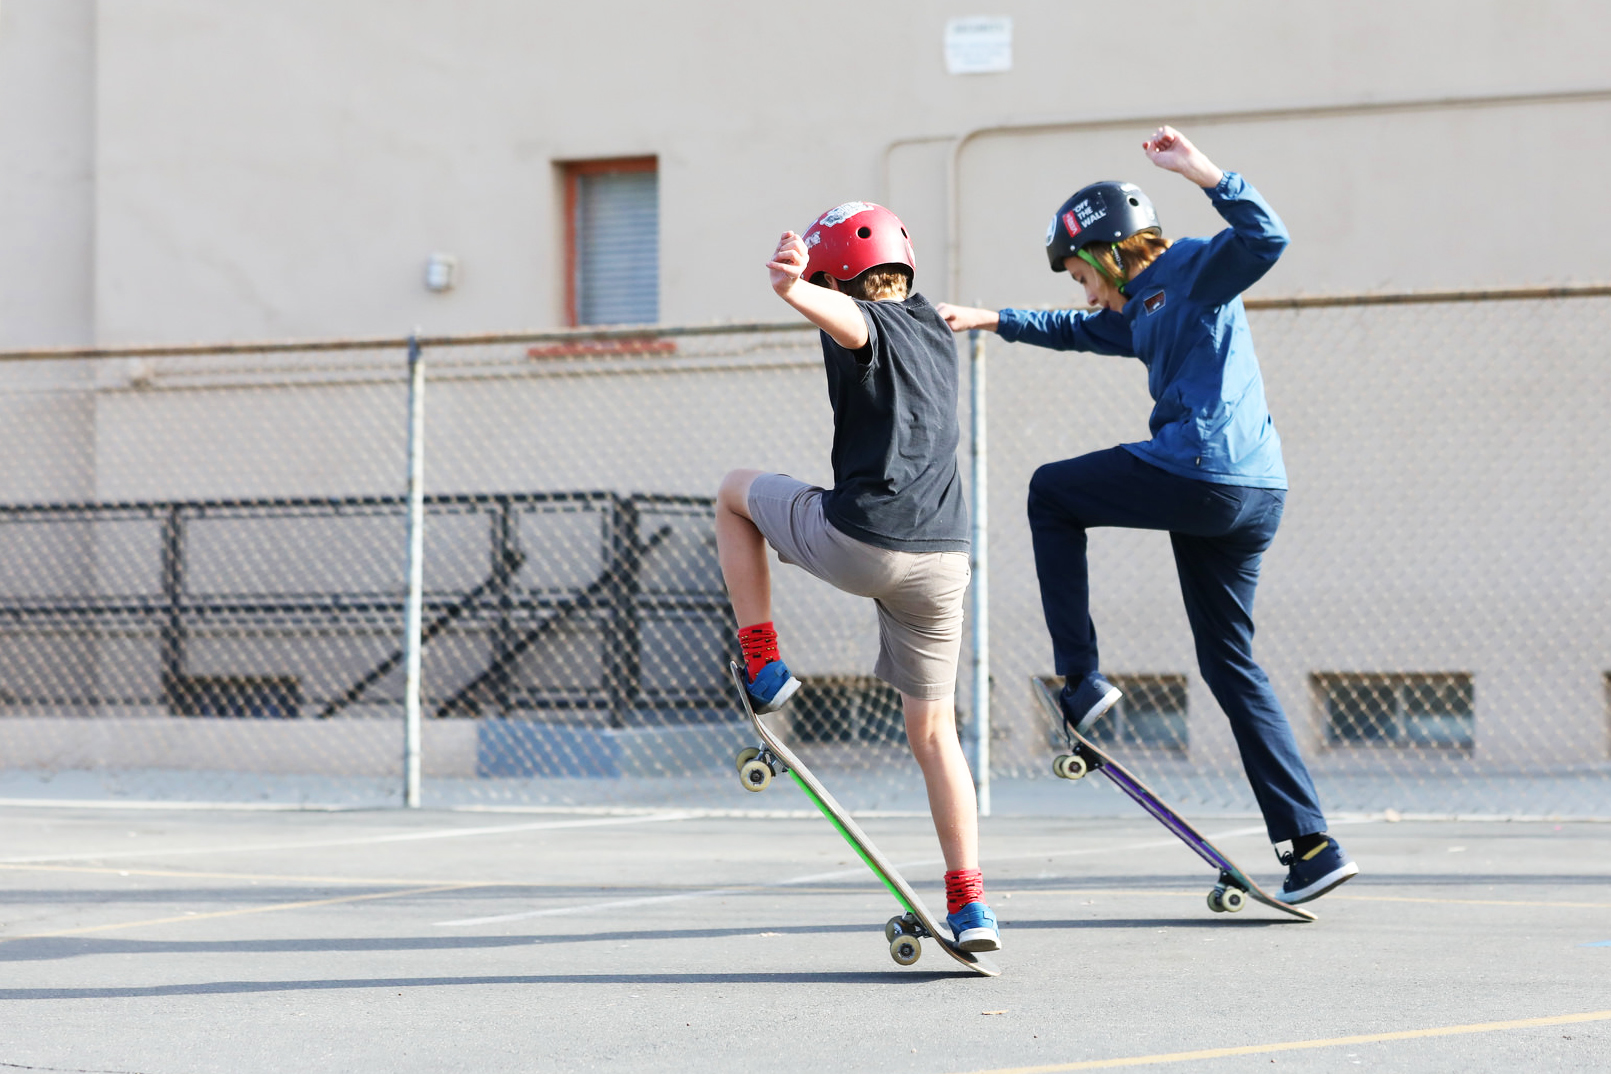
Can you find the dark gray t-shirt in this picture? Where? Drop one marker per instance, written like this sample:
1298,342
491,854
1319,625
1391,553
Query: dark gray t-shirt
895,480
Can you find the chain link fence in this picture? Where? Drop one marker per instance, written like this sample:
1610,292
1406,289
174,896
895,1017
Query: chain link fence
204,570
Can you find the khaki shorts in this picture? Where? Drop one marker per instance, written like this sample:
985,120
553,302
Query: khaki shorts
918,594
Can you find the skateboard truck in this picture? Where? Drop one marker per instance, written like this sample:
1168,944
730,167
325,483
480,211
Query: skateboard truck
756,767
1074,764
904,933
1228,897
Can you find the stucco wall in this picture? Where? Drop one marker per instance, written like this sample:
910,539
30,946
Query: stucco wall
284,169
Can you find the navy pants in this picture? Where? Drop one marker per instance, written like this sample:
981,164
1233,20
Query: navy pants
1219,533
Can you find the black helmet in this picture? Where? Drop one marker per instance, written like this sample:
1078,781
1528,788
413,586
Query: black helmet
1101,212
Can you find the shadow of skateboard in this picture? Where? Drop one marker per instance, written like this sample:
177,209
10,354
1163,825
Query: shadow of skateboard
1234,887
905,932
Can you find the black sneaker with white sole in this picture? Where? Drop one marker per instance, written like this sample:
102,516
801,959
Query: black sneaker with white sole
1086,699
1318,871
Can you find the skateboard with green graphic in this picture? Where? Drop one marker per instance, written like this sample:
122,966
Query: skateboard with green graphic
906,931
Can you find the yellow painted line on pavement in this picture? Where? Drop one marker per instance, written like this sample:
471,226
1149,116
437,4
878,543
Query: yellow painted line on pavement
1305,1045
241,911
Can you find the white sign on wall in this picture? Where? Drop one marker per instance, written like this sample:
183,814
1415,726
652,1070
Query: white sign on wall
980,45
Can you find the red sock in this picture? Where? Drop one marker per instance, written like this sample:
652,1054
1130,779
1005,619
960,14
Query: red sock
963,886
760,645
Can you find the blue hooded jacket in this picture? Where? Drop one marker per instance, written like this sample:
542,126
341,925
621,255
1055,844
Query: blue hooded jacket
1185,321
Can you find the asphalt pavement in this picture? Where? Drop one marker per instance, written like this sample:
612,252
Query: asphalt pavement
149,941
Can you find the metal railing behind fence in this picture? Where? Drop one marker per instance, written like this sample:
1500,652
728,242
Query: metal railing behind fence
205,568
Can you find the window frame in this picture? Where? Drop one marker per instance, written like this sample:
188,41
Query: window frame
574,171
1405,687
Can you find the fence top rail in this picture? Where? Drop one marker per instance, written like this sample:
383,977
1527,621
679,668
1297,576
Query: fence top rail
1410,298
368,343
189,509
649,332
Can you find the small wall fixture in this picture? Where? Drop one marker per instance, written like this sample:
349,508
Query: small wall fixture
441,273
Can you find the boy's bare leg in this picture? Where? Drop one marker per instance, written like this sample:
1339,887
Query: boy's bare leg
931,728
741,550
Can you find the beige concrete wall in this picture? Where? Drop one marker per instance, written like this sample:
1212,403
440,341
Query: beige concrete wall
179,170
1421,199
284,169
47,156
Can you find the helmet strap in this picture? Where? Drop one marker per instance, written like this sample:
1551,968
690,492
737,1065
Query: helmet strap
1090,259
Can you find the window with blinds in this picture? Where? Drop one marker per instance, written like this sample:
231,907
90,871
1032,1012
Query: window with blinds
613,238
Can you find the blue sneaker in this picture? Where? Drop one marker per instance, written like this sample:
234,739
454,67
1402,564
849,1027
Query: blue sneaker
974,926
1316,873
772,687
1087,699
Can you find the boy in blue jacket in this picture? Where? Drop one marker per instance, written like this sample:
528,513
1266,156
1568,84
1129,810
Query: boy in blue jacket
1211,475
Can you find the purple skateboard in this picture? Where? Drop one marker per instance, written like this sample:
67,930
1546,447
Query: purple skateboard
1233,888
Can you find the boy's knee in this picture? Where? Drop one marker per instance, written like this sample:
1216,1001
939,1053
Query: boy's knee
1037,491
1043,488
733,493
1230,671
928,720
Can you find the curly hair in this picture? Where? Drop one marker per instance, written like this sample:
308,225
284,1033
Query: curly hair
874,285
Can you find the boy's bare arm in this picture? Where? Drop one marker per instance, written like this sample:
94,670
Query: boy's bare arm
1170,150
963,318
831,311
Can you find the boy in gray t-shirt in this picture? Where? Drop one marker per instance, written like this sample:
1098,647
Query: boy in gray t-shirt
894,526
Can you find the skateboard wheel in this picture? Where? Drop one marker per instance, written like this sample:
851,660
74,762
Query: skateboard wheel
755,775
1069,766
1233,900
894,928
1214,902
905,950
745,756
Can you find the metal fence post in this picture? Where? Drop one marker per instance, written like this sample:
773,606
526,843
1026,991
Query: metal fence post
981,571
414,615
174,690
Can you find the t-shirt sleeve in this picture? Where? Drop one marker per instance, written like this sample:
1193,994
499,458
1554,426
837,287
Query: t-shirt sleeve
875,336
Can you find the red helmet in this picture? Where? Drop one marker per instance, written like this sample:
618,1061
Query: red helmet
849,239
